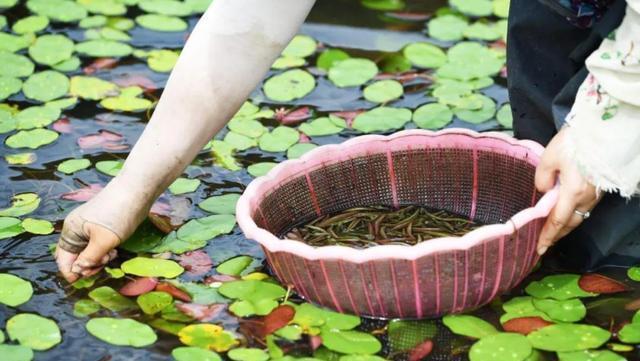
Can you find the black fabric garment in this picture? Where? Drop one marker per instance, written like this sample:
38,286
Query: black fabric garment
545,62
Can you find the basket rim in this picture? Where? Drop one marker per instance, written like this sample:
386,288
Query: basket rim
272,243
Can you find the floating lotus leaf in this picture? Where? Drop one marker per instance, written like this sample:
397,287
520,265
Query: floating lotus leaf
208,336
10,227
470,326
14,65
21,158
361,358
568,337
110,299
307,316
476,116
46,86
162,60
224,204
572,310
452,93
37,226
166,7
69,65
107,34
278,140
91,88
404,335
634,273
223,155
505,117
432,116
198,6
297,150
121,332
425,55
350,342
260,169
290,85
383,5
483,31
329,57
300,46
501,8
32,139
630,333
352,72
152,267
153,302
395,63
3,21
15,352
104,7
383,91
252,290
286,62
30,24
9,86
51,49
171,243
201,294
161,22
4,4
382,119
103,48
290,332
109,167
248,354
194,353
126,103
21,204
95,21
58,10
234,266
184,185
203,229
447,27
87,282
501,346
247,127
71,166
36,117
470,60
323,126
85,307
518,307
558,287
114,272
590,355
33,331
7,122
239,141
473,7
14,291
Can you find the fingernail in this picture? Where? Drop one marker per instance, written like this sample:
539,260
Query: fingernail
542,250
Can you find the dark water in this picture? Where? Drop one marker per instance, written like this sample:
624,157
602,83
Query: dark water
336,23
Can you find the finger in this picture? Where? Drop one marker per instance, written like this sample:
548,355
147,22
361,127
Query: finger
100,245
559,218
545,177
65,260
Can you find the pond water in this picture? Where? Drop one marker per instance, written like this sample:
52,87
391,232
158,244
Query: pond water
336,24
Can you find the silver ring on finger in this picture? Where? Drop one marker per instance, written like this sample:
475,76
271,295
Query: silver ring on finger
584,215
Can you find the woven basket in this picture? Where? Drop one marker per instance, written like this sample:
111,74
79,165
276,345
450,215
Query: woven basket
488,177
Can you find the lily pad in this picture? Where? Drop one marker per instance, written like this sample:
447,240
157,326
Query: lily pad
162,60
206,228
473,7
470,60
121,332
630,333
58,10
194,353
16,352
590,355
297,150
21,204
21,158
207,336
286,62
30,24
352,72
110,299
91,88
382,119
486,112
71,166
85,307
483,31
9,86
558,287
10,227
501,346
152,267
234,266
248,354
104,7
239,141
103,48
383,91
51,49
224,204
126,103
323,126
14,65
383,5
247,127
329,57
5,4
300,46
432,116
425,55
634,273
568,337
278,140
95,21
470,326
350,342
290,85
184,185
109,167
33,331
198,6
46,86
154,302
505,116
36,117
162,23
165,7
37,226
260,169
572,310
14,291
447,28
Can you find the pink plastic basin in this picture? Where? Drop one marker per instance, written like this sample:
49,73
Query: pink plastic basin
488,177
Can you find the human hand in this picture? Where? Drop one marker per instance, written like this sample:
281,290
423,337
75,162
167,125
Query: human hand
576,196
75,262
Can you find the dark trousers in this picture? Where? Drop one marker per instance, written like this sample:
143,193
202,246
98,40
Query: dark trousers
545,61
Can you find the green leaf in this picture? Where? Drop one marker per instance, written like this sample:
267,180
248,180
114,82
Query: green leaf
382,119
121,332
286,62
247,127
171,313
486,112
383,5
167,326
85,282
21,204
9,86
36,117
46,86
165,7
521,307
634,273
30,24
329,57
85,307
252,290
505,116
432,116
198,6
121,23
447,28
110,299
404,335
395,63
239,141
65,11
5,4
154,302
207,336
10,227
152,267
104,7
14,291
248,354
33,331
590,355
361,358
562,311
568,337
290,85
162,60
558,287
300,46
95,21
171,243
51,49
223,155
193,354
206,228
297,150
125,103
290,332
114,272
234,266
279,139
14,65
37,226
473,7
501,8
470,326
110,167
470,60
224,204
201,294
91,88
352,72
103,48
144,239
71,166
260,169
13,43
630,333
15,352
323,126
184,185
501,346
7,122
483,31
425,55
383,91
350,342
21,158
161,23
